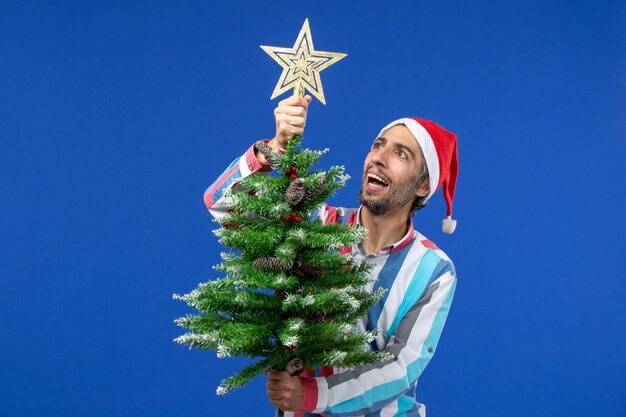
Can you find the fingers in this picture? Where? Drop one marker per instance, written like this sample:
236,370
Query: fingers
278,391
296,101
283,390
291,111
284,402
278,404
275,395
289,129
276,377
274,374
290,116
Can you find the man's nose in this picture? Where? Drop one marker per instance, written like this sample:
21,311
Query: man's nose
380,157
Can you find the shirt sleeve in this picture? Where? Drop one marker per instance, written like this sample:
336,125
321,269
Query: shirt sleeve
240,168
369,388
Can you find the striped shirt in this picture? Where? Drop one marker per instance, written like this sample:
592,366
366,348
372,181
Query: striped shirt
420,280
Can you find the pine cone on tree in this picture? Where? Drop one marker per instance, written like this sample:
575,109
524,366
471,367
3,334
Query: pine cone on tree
295,367
271,263
308,271
312,192
295,192
315,317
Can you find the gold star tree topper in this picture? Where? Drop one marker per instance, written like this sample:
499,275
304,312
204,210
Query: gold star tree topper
302,65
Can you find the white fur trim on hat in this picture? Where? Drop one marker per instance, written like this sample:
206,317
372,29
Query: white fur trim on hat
428,149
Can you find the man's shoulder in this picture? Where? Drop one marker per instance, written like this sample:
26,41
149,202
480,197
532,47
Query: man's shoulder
429,244
434,250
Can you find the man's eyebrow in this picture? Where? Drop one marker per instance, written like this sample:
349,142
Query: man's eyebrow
397,145
406,148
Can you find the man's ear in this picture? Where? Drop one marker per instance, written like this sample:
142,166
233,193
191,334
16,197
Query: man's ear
424,189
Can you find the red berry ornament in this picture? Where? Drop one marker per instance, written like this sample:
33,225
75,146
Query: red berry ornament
293,176
297,219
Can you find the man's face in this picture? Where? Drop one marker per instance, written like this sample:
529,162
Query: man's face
388,173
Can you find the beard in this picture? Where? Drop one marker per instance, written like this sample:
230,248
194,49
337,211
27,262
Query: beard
394,199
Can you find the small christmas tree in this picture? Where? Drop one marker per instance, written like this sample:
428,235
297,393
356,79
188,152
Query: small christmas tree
289,299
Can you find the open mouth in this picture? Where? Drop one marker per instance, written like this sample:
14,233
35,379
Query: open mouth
375,182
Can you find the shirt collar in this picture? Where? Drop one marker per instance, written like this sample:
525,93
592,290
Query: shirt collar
408,237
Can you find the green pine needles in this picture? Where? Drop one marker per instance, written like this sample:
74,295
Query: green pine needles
287,292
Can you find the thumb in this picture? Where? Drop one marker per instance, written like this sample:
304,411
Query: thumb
308,98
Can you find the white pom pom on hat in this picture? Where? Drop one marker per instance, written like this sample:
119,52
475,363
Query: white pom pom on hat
439,147
448,225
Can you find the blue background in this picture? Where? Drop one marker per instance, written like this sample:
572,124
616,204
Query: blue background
115,116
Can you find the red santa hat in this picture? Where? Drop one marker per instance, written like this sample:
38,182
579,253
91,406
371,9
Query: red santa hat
440,152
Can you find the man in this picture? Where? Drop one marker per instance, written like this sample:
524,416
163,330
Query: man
407,162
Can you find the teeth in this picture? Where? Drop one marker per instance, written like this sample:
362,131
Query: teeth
376,177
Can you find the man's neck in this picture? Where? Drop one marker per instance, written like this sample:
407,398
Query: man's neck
383,231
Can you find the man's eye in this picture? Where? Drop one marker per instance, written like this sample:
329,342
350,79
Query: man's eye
376,145
401,154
